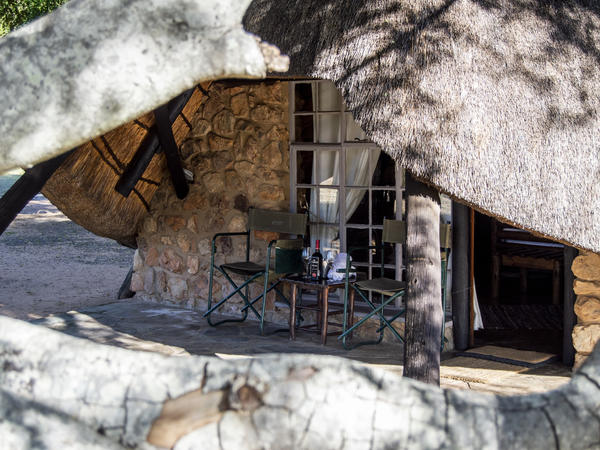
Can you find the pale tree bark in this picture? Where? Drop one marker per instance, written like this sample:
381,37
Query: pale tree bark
60,392
106,63
424,320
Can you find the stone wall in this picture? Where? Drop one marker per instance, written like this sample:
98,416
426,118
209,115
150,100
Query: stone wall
238,151
586,268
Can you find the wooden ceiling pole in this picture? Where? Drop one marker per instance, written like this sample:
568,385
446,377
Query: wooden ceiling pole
27,187
169,146
149,146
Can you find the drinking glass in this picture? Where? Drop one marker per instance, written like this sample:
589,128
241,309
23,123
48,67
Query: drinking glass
328,262
306,258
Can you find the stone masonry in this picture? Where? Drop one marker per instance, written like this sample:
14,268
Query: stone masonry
237,150
586,268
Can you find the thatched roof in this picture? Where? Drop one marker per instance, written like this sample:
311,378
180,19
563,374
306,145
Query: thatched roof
495,103
84,186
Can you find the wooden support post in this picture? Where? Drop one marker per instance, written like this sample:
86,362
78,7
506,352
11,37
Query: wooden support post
27,187
460,276
424,285
169,146
556,282
125,289
523,284
569,319
472,277
149,146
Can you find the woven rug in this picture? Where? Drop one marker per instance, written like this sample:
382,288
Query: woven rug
521,317
506,355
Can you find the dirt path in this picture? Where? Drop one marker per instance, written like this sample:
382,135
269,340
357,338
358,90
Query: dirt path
49,264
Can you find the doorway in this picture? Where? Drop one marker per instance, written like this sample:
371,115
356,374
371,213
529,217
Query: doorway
518,280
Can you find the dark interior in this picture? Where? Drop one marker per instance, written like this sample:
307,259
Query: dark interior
524,319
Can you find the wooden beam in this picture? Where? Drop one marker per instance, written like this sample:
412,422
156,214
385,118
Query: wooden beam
125,289
169,146
27,187
149,147
569,319
460,276
471,277
528,262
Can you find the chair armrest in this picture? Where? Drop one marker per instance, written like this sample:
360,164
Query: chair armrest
268,261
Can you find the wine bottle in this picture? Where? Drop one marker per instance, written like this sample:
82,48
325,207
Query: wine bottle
316,264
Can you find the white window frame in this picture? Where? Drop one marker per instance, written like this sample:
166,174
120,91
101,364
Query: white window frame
340,147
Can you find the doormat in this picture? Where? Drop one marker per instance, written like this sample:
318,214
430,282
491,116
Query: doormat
480,371
506,355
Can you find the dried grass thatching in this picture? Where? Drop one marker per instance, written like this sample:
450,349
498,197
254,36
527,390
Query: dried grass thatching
84,186
495,103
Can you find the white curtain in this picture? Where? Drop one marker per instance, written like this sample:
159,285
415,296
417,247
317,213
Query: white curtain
358,174
326,173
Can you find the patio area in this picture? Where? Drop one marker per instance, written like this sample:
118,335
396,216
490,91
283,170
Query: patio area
171,330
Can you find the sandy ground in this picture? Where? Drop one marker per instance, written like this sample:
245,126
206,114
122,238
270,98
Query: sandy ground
49,264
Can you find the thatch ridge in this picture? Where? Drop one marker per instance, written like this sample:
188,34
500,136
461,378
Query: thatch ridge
84,186
495,103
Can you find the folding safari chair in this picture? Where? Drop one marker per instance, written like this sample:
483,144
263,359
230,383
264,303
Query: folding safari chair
287,260
394,232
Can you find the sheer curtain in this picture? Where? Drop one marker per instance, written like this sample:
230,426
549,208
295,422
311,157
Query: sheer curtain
327,210
358,174
326,173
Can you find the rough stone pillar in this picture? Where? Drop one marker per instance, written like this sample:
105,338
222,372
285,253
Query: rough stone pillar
586,268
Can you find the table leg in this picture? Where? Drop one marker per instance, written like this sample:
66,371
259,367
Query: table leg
293,313
319,307
351,310
324,315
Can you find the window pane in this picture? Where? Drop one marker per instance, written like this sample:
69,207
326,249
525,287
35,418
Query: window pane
327,170
402,180
304,128
304,167
304,198
357,206
328,235
389,255
354,132
329,97
356,237
385,171
384,206
329,128
445,209
303,96
388,273
357,167
328,208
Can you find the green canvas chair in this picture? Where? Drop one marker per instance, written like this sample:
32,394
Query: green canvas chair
287,259
394,232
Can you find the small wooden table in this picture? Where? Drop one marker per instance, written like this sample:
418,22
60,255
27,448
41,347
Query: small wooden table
321,307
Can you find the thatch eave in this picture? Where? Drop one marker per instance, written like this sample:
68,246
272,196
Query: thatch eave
495,104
